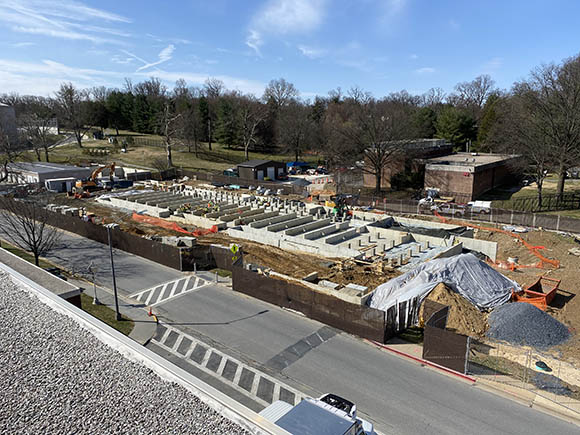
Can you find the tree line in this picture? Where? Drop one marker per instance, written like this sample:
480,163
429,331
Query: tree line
538,118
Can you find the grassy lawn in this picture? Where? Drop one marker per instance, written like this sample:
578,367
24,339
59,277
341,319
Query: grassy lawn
413,334
25,255
525,198
106,315
143,154
101,312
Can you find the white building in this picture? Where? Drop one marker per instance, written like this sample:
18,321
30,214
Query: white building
39,172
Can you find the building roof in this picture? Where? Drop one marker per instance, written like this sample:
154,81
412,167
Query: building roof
469,160
43,167
255,163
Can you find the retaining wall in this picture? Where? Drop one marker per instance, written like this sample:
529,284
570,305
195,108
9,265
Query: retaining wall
360,320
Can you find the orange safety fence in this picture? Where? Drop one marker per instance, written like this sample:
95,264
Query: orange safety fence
533,249
151,220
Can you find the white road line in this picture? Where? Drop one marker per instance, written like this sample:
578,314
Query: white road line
276,393
165,335
222,365
238,375
190,350
158,302
164,291
240,366
152,293
255,382
177,343
205,359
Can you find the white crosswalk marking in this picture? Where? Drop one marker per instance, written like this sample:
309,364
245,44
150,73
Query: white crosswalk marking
219,373
154,296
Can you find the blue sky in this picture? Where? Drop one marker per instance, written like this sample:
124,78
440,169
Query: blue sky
379,45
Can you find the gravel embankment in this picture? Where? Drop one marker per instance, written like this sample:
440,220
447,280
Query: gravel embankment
524,324
55,377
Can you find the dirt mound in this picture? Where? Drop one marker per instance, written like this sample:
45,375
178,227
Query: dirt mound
372,275
463,317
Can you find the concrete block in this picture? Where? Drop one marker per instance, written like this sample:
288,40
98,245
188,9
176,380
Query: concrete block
328,284
360,288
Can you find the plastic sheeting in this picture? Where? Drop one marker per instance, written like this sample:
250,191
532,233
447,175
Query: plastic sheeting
476,281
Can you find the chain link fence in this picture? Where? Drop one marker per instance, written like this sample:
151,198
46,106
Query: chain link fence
543,374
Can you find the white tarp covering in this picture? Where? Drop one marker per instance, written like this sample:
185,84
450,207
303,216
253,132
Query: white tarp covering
476,281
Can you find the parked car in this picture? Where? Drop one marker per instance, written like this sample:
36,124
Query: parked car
481,207
448,208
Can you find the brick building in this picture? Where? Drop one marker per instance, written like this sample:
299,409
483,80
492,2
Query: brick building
411,158
466,176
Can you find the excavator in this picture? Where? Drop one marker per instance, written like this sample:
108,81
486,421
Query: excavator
83,188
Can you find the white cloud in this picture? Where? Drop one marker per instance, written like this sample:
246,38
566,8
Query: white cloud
44,78
283,17
425,70
310,52
394,7
413,56
122,60
493,65
23,44
65,19
454,24
164,55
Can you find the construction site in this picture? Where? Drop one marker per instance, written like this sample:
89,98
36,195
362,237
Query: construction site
365,257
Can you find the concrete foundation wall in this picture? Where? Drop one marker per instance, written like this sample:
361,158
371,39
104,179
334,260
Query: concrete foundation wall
303,229
326,231
274,220
290,224
451,251
483,246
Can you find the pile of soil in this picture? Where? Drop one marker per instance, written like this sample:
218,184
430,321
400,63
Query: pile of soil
371,276
463,317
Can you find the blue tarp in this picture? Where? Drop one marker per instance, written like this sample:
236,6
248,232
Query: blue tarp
296,164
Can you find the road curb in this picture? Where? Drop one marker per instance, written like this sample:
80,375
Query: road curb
424,362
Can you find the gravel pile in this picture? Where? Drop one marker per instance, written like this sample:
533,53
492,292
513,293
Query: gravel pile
523,324
55,377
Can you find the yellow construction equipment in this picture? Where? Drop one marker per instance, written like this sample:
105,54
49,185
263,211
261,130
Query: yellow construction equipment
90,183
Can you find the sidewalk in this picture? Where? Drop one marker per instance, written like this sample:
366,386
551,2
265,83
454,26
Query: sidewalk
145,326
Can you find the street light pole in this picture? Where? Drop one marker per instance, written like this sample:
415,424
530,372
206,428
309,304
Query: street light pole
113,272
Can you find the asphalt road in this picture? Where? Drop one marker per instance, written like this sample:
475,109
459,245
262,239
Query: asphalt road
133,273
399,396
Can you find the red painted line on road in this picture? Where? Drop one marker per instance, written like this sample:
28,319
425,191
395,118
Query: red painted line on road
424,361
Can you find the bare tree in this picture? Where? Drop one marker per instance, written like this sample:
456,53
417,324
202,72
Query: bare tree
518,132
10,150
252,113
296,128
434,97
280,93
71,103
38,125
169,127
369,129
473,95
212,89
553,92
25,224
